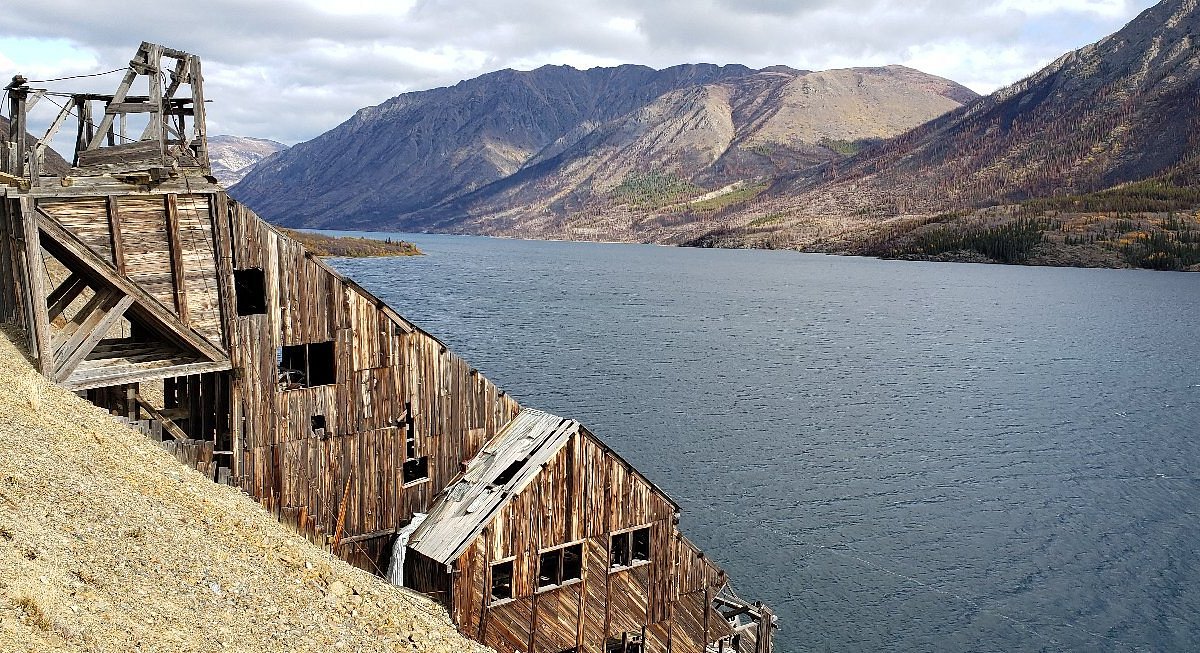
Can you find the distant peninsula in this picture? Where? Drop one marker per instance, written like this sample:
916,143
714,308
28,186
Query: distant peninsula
351,246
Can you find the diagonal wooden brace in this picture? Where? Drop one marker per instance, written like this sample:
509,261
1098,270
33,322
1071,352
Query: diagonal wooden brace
67,247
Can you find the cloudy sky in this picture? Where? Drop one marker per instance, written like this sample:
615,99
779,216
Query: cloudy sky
291,69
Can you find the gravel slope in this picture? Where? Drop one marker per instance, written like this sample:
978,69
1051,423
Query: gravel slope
108,544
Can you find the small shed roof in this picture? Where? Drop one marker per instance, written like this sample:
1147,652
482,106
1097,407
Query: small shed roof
501,470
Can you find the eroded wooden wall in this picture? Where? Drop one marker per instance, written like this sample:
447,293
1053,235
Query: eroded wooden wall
584,494
387,374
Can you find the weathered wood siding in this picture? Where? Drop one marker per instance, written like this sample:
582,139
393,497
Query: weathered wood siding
182,248
12,303
584,494
172,258
387,373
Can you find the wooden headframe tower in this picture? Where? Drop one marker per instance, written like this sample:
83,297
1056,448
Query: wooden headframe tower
142,286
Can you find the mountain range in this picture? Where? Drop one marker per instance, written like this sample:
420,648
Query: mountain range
231,157
558,150
1093,160
1120,111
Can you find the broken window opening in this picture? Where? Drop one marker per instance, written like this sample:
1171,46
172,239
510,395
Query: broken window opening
416,469
250,287
410,434
627,642
640,545
318,425
629,548
306,366
560,566
502,573
620,550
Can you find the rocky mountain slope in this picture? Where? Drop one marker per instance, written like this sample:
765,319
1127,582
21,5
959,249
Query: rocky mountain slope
107,544
1124,109
419,149
558,151
55,164
659,173
233,156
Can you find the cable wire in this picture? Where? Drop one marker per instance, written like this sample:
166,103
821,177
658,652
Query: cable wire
59,79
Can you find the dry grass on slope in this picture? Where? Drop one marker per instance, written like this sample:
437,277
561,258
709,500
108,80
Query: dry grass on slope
108,544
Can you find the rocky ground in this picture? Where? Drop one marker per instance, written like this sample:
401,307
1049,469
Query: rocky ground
108,544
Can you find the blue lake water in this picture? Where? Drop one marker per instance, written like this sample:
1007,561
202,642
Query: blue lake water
896,456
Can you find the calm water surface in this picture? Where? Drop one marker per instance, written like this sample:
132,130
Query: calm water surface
896,456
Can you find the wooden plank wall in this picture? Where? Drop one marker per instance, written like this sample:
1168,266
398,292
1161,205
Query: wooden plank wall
584,494
385,368
133,232
11,304
179,247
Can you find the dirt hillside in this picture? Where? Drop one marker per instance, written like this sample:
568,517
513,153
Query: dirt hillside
108,544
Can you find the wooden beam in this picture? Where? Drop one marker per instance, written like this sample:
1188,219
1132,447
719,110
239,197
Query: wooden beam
89,334
366,536
119,96
177,271
196,79
114,232
40,329
180,74
169,424
70,327
54,127
223,249
154,129
94,380
66,245
17,127
129,107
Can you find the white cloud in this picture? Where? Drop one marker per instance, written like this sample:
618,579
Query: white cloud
1105,8
291,69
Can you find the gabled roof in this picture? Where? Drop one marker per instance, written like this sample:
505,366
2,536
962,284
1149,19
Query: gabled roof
501,470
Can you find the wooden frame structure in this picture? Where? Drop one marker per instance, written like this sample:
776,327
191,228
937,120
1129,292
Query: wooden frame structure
137,272
174,93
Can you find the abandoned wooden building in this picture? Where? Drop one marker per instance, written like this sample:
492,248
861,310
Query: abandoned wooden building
144,287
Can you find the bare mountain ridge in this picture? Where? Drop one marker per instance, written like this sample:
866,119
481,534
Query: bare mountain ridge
1124,109
232,157
522,151
722,137
419,149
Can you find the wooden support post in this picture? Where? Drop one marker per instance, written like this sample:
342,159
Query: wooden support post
154,129
81,141
195,393
85,118
766,630
114,231
197,81
17,128
223,249
177,271
39,329
131,406
35,168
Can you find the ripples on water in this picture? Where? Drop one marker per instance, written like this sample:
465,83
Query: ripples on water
896,456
